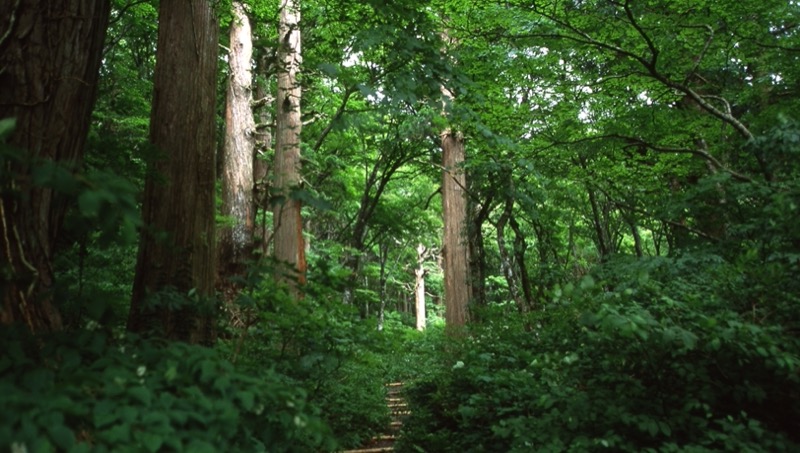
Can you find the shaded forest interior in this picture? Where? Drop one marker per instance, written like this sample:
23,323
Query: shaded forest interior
562,225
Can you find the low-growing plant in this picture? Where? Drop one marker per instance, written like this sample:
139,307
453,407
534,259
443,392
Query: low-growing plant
644,355
85,391
323,345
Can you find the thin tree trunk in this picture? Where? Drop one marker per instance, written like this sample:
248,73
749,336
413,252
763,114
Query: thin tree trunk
236,239
382,293
261,156
457,289
637,239
50,55
505,259
520,249
604,245
287,222
476,250
178,248
419,287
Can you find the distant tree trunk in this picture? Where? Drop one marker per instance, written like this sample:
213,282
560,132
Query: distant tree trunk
50,55
637,239
419,287
506,263
457,289
520,249
262,155
236,240
601,220
477,252
384,257
177,249
287,222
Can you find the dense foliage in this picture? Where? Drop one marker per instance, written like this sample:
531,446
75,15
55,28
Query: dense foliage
634,192
642,355
91,392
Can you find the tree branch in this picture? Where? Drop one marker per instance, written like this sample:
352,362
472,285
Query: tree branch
650,45
339,112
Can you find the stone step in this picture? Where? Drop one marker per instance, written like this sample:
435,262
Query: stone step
370,450
398,407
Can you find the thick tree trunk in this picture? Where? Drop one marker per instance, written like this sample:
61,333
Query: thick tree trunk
457,288
178,248
50,54
236,240
287,222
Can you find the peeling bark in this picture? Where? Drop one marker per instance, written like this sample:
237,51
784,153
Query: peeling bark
236,240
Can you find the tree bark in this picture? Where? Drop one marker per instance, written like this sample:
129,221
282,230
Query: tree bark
520,249
236,239
457,289
50,55
419,287
506,263
287,221
262,155
178,248
382,293
477,252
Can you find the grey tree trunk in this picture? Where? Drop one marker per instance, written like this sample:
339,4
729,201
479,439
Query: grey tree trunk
419,287
178,248
287,222
236,239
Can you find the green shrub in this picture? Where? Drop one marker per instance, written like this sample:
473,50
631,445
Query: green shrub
324,346
647,355
82,391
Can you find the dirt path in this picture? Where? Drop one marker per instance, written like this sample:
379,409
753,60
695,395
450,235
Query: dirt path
399,410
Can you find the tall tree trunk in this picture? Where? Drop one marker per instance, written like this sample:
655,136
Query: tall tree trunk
287,222
382,293
262,155
236,240
419,287
457,288
178,248
50,55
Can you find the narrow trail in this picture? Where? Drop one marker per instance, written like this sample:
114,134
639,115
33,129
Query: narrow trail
399,410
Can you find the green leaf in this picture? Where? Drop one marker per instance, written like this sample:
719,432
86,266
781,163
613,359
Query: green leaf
665,428
105,414
7,126
247,399
151,442
141,394
61,436
199,446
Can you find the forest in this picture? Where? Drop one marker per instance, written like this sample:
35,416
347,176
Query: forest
400,225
